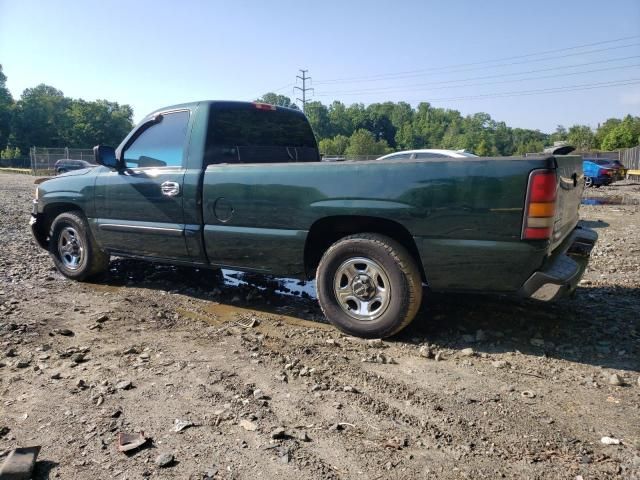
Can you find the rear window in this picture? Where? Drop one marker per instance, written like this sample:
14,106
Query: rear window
245,134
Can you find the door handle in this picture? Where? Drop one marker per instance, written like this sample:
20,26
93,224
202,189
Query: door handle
170,189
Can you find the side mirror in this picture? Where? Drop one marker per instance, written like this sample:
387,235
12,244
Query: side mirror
106,156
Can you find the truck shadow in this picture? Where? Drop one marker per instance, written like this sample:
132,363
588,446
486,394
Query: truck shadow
263,293
597,326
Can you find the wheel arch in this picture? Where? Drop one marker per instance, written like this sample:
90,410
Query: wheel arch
52,210
326,231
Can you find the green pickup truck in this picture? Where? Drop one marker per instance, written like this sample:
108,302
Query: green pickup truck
242,186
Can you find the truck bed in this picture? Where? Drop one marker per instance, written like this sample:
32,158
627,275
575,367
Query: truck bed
460,212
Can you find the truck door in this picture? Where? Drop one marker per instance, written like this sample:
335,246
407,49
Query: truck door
139,209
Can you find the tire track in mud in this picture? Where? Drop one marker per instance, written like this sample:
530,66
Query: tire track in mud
396,423
387,403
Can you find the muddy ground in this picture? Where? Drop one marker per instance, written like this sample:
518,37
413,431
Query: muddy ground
241,356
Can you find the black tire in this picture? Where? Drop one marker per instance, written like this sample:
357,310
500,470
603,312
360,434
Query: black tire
397,268
91,261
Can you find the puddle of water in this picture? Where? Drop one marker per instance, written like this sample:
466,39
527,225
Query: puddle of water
283,286
220,313
613,200
126,272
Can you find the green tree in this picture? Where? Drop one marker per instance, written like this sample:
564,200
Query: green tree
503,140
99,122
6,110
9,153
363,142
483,149
318,115
41,117
339,119
603,130
334,146
620,136
279,100
581,137
357,116
407,138
379,122
560,135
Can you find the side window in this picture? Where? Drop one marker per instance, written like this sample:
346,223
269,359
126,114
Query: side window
244,133
425,155
400,156
161,145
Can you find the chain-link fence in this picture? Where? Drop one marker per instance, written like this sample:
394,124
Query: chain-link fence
21,163
43,160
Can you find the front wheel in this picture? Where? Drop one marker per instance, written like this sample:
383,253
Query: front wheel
73,249
369,285
588,182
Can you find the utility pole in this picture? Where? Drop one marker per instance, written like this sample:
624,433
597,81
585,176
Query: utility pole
304,88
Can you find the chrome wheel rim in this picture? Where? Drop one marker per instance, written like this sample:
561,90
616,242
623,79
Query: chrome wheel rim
362,289
588,181
70,248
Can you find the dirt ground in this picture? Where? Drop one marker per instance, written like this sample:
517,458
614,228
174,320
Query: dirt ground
477,387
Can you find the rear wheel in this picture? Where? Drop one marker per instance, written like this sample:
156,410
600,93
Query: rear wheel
588,182
73,249
369,285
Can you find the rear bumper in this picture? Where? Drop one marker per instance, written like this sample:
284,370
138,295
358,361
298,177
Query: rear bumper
560,274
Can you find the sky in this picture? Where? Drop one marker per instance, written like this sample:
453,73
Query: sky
531,64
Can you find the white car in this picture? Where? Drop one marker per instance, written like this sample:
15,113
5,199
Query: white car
427,153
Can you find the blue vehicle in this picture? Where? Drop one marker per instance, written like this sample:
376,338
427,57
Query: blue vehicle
596,175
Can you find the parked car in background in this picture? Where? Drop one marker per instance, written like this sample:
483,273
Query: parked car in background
426,154
619,171
67,164
596,175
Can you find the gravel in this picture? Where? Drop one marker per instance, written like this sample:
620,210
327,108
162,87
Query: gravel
179,336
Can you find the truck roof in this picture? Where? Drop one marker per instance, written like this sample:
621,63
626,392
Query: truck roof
217,104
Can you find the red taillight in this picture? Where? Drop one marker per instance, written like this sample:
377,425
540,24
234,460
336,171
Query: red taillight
542,186
604,171
541,206
264,106
537,233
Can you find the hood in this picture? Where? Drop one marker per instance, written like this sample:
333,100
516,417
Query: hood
73,173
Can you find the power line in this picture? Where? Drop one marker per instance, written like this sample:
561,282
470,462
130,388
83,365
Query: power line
483,64
447,83
523,93
304,88
276,90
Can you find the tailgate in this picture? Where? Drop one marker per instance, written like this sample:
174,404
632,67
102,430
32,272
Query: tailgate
569,194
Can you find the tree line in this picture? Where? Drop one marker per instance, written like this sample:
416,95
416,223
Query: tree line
384,127
43,116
